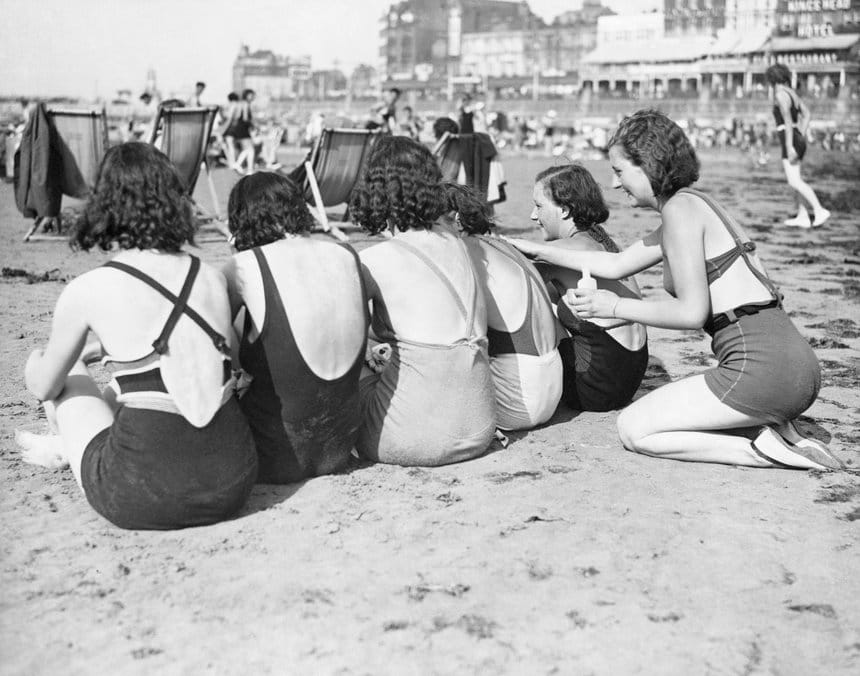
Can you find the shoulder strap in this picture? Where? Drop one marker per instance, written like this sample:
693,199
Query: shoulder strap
179,305
525,263
441,275
364,296
743,249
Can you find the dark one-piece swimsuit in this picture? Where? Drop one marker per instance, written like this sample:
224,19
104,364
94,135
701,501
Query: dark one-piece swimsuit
798,140
303,425
766,369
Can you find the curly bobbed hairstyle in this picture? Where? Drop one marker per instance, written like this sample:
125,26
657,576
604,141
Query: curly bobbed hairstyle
652,141
264,207
473,214
139,202
572,187
402,186
778,73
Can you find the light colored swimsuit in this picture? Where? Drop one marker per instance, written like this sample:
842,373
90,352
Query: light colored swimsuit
432,404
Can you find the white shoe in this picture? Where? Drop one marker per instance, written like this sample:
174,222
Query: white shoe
806,456
820,218
798,222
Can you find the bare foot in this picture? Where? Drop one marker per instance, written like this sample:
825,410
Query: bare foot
45,450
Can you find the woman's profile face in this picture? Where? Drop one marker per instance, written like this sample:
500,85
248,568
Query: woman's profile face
549,216
631,179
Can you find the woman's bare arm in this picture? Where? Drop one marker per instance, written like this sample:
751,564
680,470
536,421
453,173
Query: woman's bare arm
47,369
635,258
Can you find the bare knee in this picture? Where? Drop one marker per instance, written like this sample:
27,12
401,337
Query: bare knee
629,429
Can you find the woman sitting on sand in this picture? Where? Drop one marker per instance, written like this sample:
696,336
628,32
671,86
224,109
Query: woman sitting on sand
166,445
521,327
433,403
604,359
305,329
716,281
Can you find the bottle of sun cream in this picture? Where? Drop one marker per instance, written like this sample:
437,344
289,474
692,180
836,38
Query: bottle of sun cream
587,281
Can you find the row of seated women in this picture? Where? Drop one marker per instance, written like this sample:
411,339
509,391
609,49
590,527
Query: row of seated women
413,353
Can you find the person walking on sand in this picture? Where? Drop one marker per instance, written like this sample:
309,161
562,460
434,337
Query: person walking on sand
792,120
716,282
165,445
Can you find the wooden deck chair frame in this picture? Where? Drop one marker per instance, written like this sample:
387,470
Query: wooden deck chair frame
87,143
167,122
319,174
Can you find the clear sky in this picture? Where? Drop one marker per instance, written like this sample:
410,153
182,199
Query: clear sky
95,47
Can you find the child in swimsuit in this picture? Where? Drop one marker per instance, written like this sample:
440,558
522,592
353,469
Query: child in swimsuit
715,281
604,359
304,335
433,403
166,445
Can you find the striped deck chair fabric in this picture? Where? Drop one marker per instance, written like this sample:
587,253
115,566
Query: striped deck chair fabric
449,155
183,135
333,170
84,134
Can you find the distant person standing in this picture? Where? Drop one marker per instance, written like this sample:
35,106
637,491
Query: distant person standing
144,117
792,120
385,112
195,100
466,111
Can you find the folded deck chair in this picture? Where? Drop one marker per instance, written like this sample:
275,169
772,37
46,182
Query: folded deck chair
333,169
183,135
81,140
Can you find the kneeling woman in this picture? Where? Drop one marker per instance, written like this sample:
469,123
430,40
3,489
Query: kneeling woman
305,329
716,282
604,359
167,445
434,402
521,327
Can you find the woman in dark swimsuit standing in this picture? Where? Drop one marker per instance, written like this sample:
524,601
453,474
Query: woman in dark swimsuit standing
792,119
716,282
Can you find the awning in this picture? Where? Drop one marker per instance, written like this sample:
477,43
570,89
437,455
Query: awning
730,43
659,51
826,42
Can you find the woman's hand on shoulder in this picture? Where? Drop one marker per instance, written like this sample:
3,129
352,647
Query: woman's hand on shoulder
525,246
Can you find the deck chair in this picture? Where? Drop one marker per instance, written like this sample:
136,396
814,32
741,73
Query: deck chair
336,163
449,155
183,135
82,140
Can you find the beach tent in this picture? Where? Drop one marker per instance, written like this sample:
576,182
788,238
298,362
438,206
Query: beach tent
183,135
333,169
77,142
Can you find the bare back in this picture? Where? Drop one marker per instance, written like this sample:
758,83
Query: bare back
319,284
420,306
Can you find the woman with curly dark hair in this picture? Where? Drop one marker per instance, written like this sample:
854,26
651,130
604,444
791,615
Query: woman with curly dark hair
433,403
165,445
521,327
305,330
767,373
792,120
604,359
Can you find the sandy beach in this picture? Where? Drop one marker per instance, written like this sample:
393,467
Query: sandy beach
561,554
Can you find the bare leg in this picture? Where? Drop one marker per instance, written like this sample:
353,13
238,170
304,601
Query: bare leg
81,412
805,192
230,151
685,421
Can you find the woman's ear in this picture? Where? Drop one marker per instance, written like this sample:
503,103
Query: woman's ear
565,212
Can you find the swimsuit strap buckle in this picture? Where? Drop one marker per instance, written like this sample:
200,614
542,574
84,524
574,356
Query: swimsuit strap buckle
731,316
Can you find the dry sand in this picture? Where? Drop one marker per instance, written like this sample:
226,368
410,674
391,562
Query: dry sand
561,554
